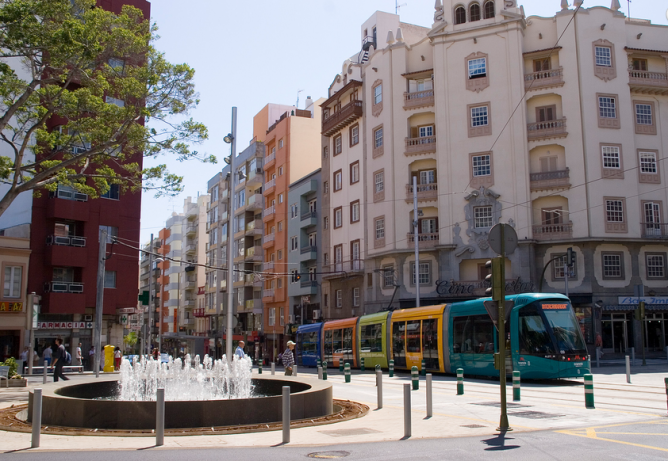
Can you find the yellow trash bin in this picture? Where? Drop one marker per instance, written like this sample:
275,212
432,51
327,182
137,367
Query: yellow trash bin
108,359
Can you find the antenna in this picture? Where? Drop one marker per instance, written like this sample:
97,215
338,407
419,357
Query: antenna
397,6
629,7
297,105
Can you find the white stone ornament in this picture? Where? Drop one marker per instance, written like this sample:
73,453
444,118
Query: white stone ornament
615,6
390,38
400,36
438,14
511,3
564,5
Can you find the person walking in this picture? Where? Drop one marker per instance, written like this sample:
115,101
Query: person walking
46,355
79,358
91,358
59,361
117,358
289,358
24,359
240,350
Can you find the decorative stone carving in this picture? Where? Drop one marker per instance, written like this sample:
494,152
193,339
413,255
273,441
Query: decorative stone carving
564,5
615,6
438,14
511,3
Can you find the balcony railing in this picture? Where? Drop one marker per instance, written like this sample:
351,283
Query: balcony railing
65,287
424,192
249,304
654,230
308,249
422,145
309,215
268,266
343,268
648,80
342,118
553,231
548,129
199,312
424,240
268,293
191,248
268,238
269,184
543,79
269,158
269,211
254,202
550,179
309,284
419,99
70,241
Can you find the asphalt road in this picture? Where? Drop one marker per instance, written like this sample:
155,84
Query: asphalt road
644,441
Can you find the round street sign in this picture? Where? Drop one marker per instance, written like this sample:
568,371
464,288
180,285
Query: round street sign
509,235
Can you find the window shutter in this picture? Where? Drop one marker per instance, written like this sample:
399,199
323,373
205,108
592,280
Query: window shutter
412,86
544,164
428,84
553,163
414,132
550,113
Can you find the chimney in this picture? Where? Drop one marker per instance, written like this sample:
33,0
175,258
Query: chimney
308,104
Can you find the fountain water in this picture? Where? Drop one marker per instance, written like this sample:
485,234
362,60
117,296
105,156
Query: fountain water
186,380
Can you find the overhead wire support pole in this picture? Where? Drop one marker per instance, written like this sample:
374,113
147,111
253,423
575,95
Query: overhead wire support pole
99,299
151,297
416,241
503,424
230,259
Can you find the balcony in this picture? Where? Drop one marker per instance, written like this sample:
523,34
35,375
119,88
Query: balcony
268,213
645,82
550,180
343,269
189,303
190,284
268,266
192,214
654,230
547,130
553,231
269,187
199,312
188,322
254,254
269,160
249,305
63,204
64,287
254,177
419,146
191,249
223,216
342,118
544,79
425,192
268,295
424,240
57,253
254,202
308,287
191,229
307,253
418,99
268,241
309,219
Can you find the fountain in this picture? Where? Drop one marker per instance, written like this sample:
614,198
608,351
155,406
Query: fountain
198,395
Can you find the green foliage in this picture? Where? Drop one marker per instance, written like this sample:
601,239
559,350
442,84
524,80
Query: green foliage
130,340
98,79
11,363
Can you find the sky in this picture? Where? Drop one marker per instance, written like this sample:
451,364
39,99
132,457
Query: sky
251,53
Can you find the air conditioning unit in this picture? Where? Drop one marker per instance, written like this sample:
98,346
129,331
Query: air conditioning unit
78,241
316,314
76,287
88,318
258,170
59,287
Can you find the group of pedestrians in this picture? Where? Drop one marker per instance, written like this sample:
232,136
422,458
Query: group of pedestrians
287,357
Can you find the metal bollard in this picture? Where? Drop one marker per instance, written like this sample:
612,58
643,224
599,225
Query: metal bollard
37,417
633,356
259,368
379,390
286,414
516,386
460,381
294,370
589,391
598,356
666,352
324,371
430,403
407,410
340,366
160,418
628,370
44,373
665,380
415,378
319,363
347,372
423,368
273,368
391,368
362,365
377,369
319,372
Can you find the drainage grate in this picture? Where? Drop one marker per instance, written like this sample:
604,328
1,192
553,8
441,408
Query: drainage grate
328,454
534,415
497,404
349,432
473,426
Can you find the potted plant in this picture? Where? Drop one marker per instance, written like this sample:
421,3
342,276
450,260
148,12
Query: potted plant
15,380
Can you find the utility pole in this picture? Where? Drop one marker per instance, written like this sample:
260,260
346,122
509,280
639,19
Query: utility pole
97,333
151,297
230,258
416,241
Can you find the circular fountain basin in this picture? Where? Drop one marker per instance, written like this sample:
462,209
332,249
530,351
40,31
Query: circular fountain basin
77,405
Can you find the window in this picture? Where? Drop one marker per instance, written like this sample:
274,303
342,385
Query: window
378,138
648,162
482,165
280,143
339,299
338,217
379,186
325,299
380,228
612,266
325,187
428,226
280,171
560,267
639,64
611,161
325,222
117,64
338,145
480,119
388,276
279,281
13,282
354,172
338,180
110,279
356,297
474,12
615,215
477,68
652,219
294,243
603,56
479,116
541,64
272,316
552,216
644,117
354,135
427,177
312,205
610,157
648,172
114,192
294,211
460,15
114,101
279,254
112,231
325,152
280,198
483,216
489,9
425,273
656,265
608,116
282,316
355,211
378,94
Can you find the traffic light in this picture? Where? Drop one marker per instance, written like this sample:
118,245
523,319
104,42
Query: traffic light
296,277
570,257
495,279
640,312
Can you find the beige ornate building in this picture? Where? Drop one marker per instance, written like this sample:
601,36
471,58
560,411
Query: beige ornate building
553,125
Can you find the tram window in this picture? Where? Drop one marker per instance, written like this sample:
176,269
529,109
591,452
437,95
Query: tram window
413,336
534,338
565,328
348,343
372,338
328,346
473,335
309,343
336,342
430,343
398,342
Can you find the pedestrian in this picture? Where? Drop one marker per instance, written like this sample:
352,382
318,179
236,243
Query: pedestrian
240,350
79,358
59,359
91,357
155,353
24,359
117,358
46,355
599,345
289,358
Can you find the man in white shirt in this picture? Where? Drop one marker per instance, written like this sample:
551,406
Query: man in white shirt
79,358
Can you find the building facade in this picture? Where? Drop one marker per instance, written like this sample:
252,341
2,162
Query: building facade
14,261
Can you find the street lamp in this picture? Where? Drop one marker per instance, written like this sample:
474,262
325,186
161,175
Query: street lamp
230,139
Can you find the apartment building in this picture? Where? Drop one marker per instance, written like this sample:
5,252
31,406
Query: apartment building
552,125
14,260
292,140
304,258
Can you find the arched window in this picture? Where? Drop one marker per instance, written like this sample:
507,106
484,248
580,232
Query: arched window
474,12
460,15
489,9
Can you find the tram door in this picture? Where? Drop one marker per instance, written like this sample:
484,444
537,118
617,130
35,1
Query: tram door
615,333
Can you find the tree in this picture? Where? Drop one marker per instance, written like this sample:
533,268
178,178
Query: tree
130,340
83,95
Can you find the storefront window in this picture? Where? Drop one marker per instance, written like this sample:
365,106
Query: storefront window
583,315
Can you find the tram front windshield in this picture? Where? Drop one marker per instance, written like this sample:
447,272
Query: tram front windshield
549,328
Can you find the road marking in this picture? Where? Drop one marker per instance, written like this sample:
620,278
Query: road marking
590,433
